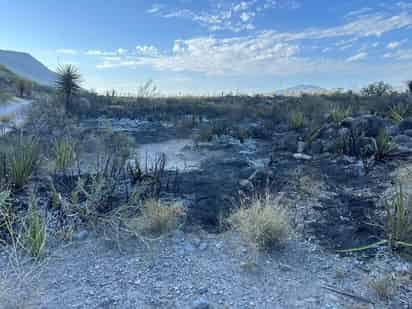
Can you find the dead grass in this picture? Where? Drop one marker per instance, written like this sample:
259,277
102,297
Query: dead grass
158,218
263,224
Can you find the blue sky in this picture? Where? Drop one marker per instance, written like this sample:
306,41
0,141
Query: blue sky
209,46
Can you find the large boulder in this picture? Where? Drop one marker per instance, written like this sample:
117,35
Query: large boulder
369,125
406,124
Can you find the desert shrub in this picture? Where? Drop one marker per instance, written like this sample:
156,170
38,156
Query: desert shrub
296,120
384,146
385,287
377,89
35,231
263,224
398,225
158,218
7,217
350,143
64,154
339,114
23,161
205,134
399,112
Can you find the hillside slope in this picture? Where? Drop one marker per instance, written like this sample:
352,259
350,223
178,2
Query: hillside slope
26,66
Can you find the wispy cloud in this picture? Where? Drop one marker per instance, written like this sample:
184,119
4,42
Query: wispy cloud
396,44
357,57
223,15
270,51
67,51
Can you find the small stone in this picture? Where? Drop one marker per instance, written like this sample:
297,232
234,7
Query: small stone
301,156
81,235
201,303
203,246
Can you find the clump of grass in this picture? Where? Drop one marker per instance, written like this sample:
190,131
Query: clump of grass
399,112
263,224
7,217
158,218
296,120
64,154
385,287
384,146
399,219
397,226
23,161
35,231
339,114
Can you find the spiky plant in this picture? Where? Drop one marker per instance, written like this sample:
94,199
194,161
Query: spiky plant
64,154
35,231
68,82
384,146
23,161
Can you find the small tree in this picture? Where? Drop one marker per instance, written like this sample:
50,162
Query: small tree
68,83
21,87
409,83
29,87
378,89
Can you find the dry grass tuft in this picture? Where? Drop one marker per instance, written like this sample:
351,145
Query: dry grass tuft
158,218
264,224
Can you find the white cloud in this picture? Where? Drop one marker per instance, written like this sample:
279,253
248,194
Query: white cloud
67,51
400,54
358,57
222,15
396,44
121,51
147,50
96,52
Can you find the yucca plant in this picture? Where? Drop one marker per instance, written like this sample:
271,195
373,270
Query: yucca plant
384,146
64,154
399,113
23,161
398,224
68,82
35,231
296,120
339,114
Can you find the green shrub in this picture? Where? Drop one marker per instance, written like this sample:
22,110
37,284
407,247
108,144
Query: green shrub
296,120
264,224
35,231
64,154
384,146
23,161
398,225
339,114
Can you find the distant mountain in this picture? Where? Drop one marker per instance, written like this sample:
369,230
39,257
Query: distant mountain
302,89
26,66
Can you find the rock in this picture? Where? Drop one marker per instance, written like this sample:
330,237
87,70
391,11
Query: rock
316,147
367,146
406,124
408,132
302,156
370,125
201,303
402,139
246,185
286,142
81,235
301,146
